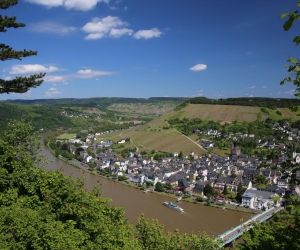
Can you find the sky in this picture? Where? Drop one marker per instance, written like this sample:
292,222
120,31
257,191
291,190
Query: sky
152,48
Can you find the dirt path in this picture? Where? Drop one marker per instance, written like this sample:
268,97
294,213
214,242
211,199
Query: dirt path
137,148
187,137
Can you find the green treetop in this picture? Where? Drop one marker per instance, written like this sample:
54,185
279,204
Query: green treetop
19,84
294,67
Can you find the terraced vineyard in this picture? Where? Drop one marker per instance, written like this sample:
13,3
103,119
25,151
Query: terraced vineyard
152,136
228,113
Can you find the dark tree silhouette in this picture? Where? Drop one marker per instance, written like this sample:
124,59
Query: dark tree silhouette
20,84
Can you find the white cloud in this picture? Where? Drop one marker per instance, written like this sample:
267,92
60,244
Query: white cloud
290,92
120,32
52,92
264,87
88,73
94,36
80,74
51,28
54,79
99,28
113,8
198,67
47,3
31,68
83,5
6,78
147,34
113,26
252,87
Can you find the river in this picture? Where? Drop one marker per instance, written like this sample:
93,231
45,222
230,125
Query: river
196,218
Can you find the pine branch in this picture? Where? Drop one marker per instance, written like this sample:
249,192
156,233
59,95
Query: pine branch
21,84
9,22
4,4
7,53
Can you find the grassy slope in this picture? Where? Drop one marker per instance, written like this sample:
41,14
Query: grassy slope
152,136
228,113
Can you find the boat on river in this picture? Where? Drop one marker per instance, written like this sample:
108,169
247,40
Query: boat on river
173,206
179,198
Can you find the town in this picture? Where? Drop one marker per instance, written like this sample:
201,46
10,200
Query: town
238,179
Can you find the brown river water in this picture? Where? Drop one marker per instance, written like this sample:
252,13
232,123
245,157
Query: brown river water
196,218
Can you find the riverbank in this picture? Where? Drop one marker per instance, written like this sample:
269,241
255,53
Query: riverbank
79,165
135,202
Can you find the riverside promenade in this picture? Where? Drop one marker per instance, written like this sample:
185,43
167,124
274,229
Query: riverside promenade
234,233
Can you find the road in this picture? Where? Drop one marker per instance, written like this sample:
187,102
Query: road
187,137
247,225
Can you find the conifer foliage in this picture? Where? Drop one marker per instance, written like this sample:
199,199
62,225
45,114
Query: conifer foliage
19,84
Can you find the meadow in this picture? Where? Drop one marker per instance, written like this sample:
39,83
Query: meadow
229,113
151,136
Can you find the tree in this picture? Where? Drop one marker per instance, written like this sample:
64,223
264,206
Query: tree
151,237
42,209
294,67
282,232
159,187
261,179
168,186
180,155
276,199
240,192
19,84
225,190
208,190
294,205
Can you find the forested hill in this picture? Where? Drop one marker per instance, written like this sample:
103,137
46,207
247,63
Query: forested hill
44,116
107,101
247,101
102,101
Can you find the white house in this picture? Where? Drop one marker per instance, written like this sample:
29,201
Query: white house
248,199
121,141
282,183
296,157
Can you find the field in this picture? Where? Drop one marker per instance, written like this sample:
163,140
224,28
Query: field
288,113
90,110
221,113
66,136
228,113
143,108
155,134
150,136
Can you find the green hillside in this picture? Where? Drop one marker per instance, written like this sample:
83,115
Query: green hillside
55,116
230,113
101,101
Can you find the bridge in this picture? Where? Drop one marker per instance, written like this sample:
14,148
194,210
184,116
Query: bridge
234,233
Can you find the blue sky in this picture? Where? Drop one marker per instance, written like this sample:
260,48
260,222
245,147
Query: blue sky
148,48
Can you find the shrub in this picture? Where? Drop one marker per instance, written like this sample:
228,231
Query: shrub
199,199
264,110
